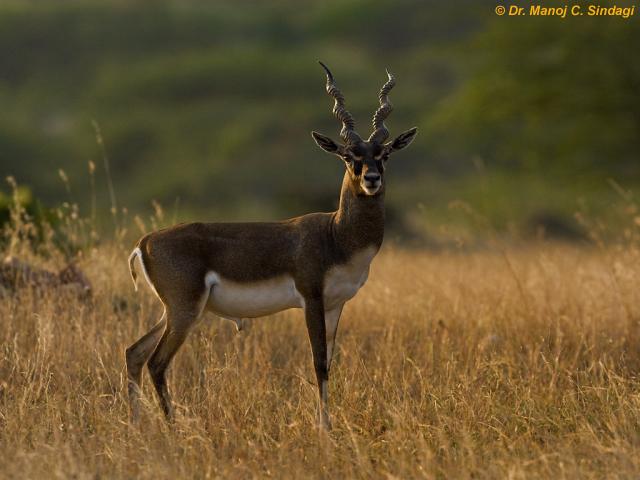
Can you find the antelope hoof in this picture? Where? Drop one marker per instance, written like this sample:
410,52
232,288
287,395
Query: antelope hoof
134,403
134,417
324,422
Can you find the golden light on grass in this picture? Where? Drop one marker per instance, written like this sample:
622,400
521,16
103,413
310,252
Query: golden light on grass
520,364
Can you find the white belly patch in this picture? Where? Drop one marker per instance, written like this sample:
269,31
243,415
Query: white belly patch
231,299
342,282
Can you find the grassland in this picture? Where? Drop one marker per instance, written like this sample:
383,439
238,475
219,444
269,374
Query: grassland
504,363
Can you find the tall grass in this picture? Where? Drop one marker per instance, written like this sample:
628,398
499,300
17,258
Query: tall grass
517,363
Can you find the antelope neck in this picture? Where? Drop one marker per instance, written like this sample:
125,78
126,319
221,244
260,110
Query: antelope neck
359,221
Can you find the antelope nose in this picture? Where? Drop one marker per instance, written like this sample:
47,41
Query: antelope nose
372,177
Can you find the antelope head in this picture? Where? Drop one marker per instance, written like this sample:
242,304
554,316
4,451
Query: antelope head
365,159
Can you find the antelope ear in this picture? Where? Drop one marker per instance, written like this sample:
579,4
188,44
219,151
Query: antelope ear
326,143
403,140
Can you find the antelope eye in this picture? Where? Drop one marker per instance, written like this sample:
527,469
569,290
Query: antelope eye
353,158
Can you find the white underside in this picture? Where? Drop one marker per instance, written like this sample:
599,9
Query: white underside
235,300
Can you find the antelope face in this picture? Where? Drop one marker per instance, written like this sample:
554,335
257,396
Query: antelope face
365,159
365,163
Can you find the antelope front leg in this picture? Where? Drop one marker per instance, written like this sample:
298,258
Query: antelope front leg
314,315
332,317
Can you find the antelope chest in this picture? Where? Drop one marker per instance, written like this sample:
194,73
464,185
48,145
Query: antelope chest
342,282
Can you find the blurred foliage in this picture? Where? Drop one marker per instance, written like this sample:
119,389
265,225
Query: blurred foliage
207,106
22,196
560,98
26,222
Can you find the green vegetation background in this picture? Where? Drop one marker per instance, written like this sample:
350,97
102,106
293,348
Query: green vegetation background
206,107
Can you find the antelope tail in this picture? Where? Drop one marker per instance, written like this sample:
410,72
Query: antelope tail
132,266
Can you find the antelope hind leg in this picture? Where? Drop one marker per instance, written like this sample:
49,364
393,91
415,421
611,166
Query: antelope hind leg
136,356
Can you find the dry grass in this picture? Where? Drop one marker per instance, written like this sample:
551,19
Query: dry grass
487,365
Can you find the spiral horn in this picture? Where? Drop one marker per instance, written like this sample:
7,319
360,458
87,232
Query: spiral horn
380,132
348,133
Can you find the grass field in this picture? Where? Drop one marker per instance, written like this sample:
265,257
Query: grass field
516,363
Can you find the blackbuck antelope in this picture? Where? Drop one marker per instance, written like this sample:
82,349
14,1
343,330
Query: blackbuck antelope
316,262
